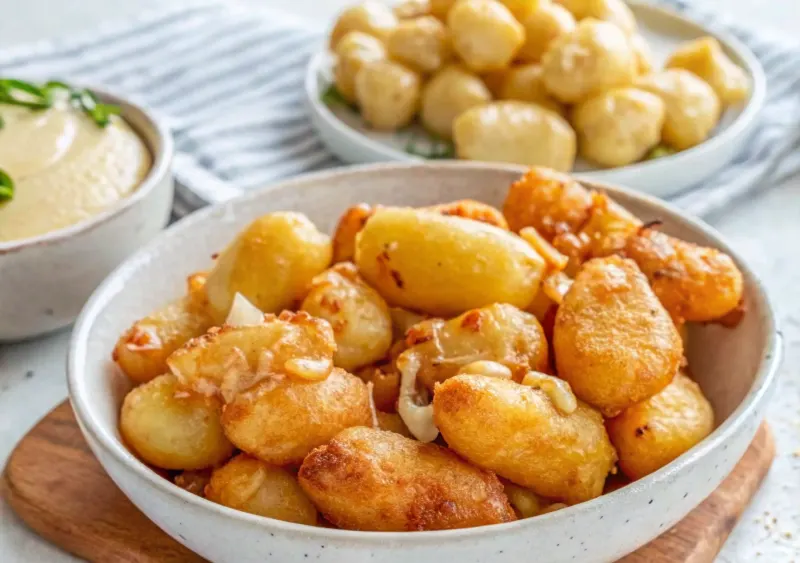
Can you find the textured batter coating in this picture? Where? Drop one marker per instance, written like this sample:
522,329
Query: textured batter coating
141,353
362,326
270,263
367,479
607,228
393,423
654,432
614,342
280,420
471,209
694,283
550,201
172,427
232,359
250,485
350,223
499,333
516,431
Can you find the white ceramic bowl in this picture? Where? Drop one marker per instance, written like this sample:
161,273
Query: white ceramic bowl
736,368
45,280
348,137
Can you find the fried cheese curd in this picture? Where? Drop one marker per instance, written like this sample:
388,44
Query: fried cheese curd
693,282
367,479
431,368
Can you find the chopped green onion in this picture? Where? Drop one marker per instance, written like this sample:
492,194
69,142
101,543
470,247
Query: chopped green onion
6,186
26,94
44,97
332,97
440,148
659,151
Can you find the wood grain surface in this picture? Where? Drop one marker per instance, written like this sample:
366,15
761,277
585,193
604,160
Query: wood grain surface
57,487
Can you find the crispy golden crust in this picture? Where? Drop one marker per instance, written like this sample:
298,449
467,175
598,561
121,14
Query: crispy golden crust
614,342
230,359
280,420
173,427
471,209
350,223
392,422
654,432
517,432
250,485
608,227
141,353
499,333
694,283
367,479
362,326
550,201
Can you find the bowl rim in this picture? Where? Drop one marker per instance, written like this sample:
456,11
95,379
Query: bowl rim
159,143
740,125
760,389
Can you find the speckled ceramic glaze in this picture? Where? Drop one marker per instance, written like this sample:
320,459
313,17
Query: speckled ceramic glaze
46,280
736,368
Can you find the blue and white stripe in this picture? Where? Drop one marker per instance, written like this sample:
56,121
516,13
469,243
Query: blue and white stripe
229,81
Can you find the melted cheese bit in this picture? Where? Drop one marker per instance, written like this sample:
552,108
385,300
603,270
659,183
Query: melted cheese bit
557,390
243,313
418,418
372,410
555,260
556,286
486,368
308,369
524,501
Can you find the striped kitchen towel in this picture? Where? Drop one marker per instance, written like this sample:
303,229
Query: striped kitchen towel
228,79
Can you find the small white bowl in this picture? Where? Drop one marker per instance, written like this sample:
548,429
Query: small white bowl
736,368
349,138
45,280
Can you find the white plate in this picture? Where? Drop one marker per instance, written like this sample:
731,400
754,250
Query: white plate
347,136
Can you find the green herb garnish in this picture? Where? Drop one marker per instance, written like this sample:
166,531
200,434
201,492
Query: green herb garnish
333,97
26,94
6,186
659,151
2,122
437,148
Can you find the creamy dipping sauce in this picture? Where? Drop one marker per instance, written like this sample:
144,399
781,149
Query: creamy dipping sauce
66,169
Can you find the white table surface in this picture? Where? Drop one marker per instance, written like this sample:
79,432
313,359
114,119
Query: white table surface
766,231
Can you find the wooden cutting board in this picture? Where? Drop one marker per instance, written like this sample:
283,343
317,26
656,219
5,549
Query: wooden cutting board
58,488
